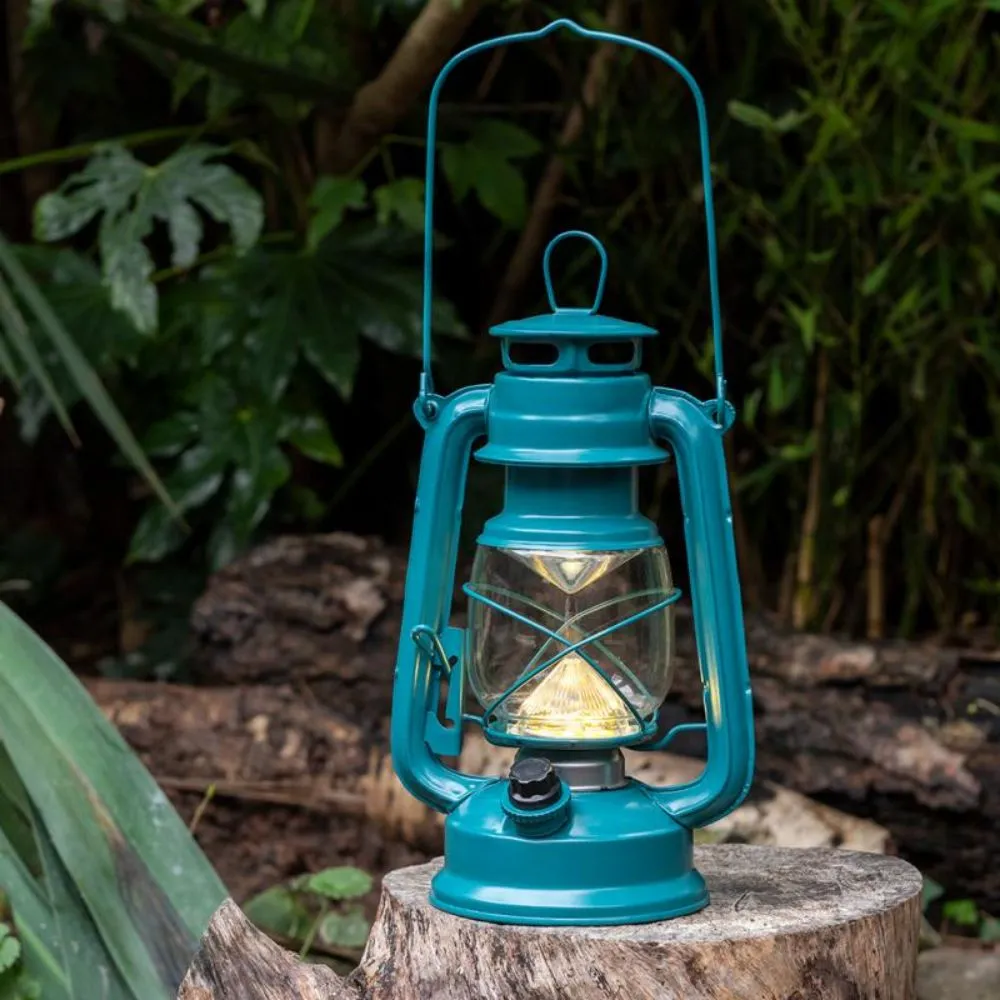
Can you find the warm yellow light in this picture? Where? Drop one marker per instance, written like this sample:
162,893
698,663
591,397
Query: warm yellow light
573,702
571,571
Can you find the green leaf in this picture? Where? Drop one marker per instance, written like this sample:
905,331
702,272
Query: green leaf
875,278
330,200
39,18
81,372
777,398
363,280
334,354
931,891
171,436
963,912
502,191
156,535
805,322
990,200
459,165
251,493
185,233
797,452
291,20
226,196
349,929
15,327
989,930
108,183
504,139
773,252
129,197
280,911
748,114
961,128
10,948
272,346
197,477
311,435
257,8
89,967
339,883
403,200
113,10
145,885
33,916
128,266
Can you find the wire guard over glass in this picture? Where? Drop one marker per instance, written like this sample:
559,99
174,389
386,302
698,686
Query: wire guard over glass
572,654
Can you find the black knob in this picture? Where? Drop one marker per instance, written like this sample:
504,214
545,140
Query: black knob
534,783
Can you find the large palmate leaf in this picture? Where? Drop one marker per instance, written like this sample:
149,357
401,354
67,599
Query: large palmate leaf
129,197
485,163
109,891
256,320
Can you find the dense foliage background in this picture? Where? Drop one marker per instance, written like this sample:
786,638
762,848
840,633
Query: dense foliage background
212,234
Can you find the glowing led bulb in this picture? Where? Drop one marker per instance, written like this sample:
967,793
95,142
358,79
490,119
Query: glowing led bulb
571,571
572,701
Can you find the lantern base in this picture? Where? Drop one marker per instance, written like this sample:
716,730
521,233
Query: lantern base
620,859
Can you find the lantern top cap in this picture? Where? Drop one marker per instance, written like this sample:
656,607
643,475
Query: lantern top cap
576,324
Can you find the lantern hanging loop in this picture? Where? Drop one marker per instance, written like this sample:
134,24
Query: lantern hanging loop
547,270
425,405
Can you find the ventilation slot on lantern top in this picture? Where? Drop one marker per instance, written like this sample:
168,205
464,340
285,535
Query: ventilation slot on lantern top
532,353
612,353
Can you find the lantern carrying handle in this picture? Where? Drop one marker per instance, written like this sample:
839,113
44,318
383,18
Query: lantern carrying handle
547,269
426,381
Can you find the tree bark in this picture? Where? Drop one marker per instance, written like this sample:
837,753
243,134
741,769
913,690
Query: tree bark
236,962
793,924
380,104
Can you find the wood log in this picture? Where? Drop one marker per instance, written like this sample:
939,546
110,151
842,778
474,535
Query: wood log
906,734
268,745
798,925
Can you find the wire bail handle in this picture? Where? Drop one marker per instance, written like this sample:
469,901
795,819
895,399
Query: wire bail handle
426,382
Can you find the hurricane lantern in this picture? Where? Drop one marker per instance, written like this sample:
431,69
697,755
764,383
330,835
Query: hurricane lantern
568,646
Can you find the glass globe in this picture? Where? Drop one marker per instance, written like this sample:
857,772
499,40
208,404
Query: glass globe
572,595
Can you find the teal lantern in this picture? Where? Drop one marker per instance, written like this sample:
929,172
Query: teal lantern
568,647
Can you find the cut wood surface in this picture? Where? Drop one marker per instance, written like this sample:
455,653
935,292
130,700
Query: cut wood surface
807,925
906,734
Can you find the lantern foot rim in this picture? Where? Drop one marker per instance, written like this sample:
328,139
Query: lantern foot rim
675,897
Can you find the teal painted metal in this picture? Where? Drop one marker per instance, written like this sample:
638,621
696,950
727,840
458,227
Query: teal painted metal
570,508
620,859
570,435
596,421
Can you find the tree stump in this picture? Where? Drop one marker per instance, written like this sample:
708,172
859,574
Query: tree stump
782,925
